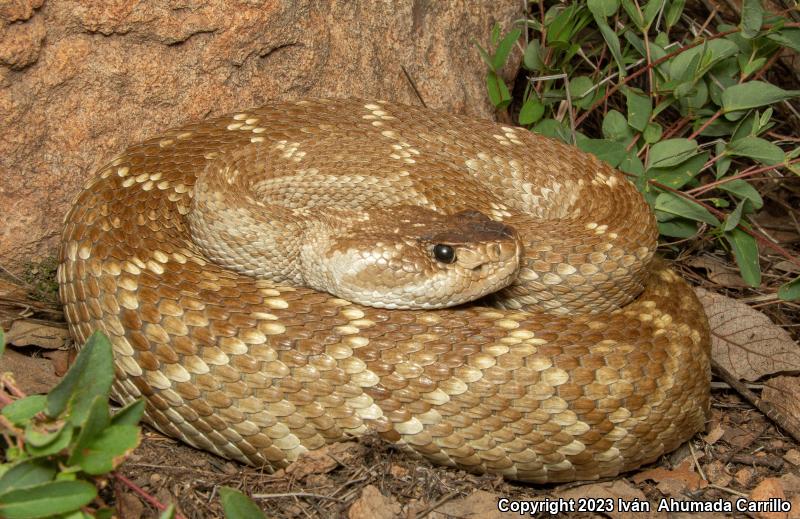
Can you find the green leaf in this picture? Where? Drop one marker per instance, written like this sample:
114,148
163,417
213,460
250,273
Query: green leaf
580,91
752,94
788,37
678,228
131,414
498,91
238,506
169,513
505,46
554,129
531,111
603,8
611,152
91,375
47,445
632,164
651,11
744,191
532,58
26,473
752,18
615,127
671,152
639,108
612,40
2,342
652,133
634,14
48,499
757,148
96,421
678,176
106,451
695,62
674,13
790,291
745,250
673,204
22,410
733,219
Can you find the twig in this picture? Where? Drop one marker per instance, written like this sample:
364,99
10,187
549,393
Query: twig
413,86
158,505
767,408
295,494
439,502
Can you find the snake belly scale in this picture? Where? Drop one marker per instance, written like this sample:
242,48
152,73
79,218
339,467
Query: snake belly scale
593,361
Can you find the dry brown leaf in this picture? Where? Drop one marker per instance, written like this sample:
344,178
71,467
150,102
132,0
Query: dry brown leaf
621,494
793,457
374,505
675,481
784,394
718,272
745,341
768,489
787,266
478,505
32,333
716,473
714,434
33,375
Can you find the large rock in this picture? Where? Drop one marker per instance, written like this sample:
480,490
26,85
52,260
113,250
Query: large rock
80,80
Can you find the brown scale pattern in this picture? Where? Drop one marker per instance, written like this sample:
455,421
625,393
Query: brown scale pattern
261,373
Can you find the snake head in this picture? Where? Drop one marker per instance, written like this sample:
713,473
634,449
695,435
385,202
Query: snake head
410,257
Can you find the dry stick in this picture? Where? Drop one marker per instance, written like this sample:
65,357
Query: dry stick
769,410
746,173
158,505
296,494
439,502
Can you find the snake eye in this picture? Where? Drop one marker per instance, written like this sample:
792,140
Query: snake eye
444,253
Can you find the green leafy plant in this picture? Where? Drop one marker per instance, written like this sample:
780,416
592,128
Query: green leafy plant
59,447
686,113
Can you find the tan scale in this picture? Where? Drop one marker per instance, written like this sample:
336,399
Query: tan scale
593,360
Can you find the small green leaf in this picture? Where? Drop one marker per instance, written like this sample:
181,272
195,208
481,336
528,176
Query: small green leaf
678,176
612,40
505,46
634,14
25,474
532,58
733,219
107,450
651,10
22,410
790,291
752,18
652,133
580,91
554,129
757,148
674,13
603,8
678,228
744,191
745,250
498,91
46,445
47,499
238,506
632,164
673,204
91,375
531,111
671,152
788,37
752,94
2,342
96,421
131,414
639,108
615,127
611,152
169,513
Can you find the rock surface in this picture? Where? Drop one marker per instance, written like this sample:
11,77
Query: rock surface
80,79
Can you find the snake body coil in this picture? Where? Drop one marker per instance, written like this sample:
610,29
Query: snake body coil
593,361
